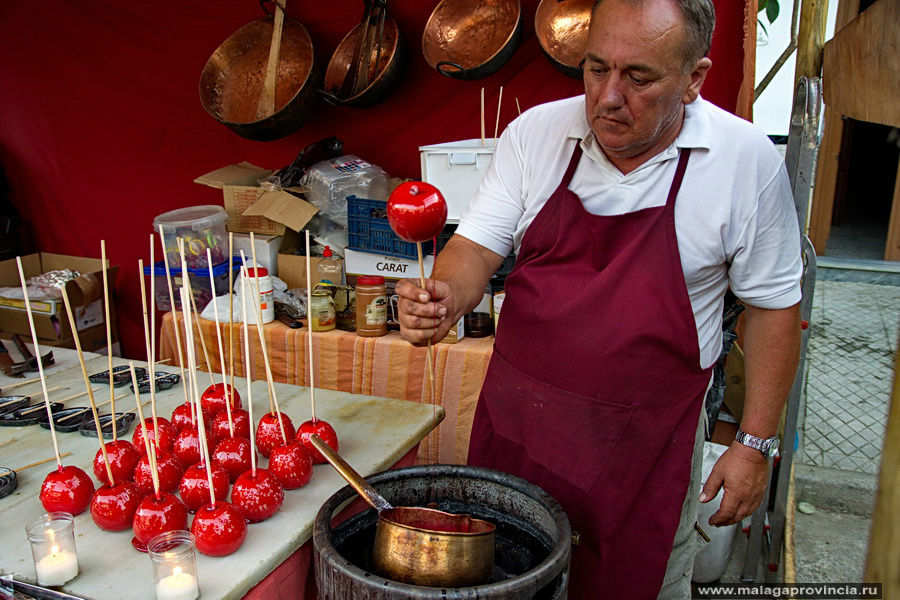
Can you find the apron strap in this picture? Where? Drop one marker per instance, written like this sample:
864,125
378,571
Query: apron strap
679,177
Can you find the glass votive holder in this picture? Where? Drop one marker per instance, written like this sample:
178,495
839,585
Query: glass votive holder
174,565
52,538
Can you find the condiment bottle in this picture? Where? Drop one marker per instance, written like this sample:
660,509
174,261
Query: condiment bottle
371,306
321,311
260,276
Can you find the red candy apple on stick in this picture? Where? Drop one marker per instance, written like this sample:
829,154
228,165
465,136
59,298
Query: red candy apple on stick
156,471
256,492
113,505
417,213
67,489
184,415
314,425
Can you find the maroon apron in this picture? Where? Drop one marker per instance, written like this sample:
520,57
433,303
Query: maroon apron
595,387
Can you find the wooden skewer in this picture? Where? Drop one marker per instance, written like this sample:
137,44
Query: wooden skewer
40,363
147,350
151,354
148,448
249,380
518,108
72,416
112,393
429,356
482,116
162,241
5,442
79,395
201,425
163,361
186,282
225,390
20,384
497,121
273,399
231,308
209,367
87,384
40,462
309,344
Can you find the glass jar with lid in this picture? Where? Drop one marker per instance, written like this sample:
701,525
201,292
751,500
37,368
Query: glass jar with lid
321,311
371,306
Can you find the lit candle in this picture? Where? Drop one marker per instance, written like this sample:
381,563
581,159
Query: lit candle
177,586
57,567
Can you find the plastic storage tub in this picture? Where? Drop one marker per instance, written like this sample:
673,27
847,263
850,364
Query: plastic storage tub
201,227
368,230
199,282
456,168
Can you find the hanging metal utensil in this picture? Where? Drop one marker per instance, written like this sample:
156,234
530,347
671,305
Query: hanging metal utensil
561,27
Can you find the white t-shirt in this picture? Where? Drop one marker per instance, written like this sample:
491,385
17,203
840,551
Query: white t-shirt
734,216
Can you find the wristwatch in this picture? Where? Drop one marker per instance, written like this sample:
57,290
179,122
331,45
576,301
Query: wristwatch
767,446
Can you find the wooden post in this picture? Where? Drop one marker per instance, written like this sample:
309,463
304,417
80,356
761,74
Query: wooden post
810,39
883,562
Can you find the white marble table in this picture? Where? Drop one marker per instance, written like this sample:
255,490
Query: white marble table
374,434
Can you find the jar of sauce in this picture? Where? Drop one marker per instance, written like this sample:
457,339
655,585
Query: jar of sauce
371,306
321,311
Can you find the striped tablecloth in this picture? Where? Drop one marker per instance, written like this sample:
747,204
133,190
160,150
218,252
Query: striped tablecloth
385,366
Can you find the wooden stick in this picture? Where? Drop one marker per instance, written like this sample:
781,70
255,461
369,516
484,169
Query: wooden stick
227,392
209,368
249,380
273,399
162,241
148,448
20,384
482,116
149,356
231,308
518,108
72,416
108,334
186,283
429,357
87,385
54,388
163,361
266,106
201,427
80,394
40,363
497,121
40,462
5,442
309,344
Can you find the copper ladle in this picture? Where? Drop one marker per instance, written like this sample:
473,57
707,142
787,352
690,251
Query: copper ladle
422,546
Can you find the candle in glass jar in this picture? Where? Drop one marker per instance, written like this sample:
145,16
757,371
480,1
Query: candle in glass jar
57,567
177,586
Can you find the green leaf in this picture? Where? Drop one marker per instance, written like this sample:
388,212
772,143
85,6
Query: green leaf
763,25
761,5
772,9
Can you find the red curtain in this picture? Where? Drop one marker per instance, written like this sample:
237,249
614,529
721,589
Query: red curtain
101,127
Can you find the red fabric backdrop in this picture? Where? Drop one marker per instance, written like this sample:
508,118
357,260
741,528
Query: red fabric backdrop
101,127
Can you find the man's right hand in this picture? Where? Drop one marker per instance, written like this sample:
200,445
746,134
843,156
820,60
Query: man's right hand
425,313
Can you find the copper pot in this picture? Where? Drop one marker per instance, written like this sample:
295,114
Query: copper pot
232,80
561,27
422,546
383,67
470,39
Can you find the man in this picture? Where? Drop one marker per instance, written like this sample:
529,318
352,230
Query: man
632,209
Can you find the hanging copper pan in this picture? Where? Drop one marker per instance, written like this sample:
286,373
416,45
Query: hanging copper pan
368,64
470,39
232,80
561,27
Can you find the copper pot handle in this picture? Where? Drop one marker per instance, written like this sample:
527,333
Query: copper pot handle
356,481
330,98
459,70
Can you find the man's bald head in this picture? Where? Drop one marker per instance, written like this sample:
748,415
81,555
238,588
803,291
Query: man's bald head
700,20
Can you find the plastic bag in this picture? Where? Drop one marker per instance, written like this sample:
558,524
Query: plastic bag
330,182
710,562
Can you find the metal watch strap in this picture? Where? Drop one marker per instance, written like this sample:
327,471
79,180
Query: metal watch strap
765,446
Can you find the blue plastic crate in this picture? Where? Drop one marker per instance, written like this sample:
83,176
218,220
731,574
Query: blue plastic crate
368,230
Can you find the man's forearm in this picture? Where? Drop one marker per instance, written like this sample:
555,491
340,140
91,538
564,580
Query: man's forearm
771,354
466,267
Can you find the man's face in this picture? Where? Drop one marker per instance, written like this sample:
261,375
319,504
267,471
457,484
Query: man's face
634,78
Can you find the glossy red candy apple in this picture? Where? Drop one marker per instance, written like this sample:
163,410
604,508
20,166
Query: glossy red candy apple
220,430
291,464
214,398
181,417
155,515
194,486
219,529
113,507
259,497
186,447
170,472
164,440
321,428
66,489
268,432
417,211
234,455
123,459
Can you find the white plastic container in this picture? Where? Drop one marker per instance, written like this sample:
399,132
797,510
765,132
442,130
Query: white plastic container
456,169
200,227
260,277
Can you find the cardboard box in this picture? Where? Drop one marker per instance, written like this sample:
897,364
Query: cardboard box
267,247
92,339
255,209
292,266
85,294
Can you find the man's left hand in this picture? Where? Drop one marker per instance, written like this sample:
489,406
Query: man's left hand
742,472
